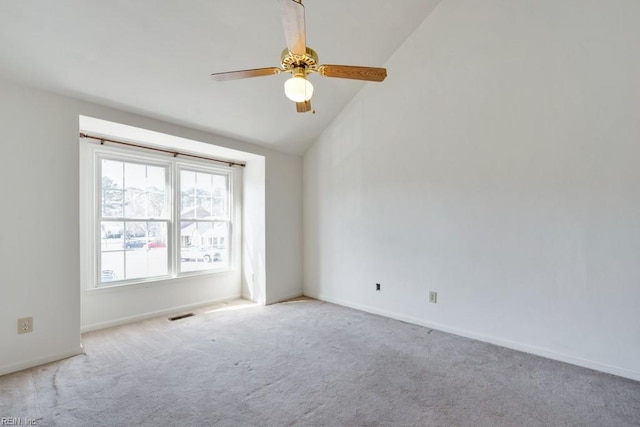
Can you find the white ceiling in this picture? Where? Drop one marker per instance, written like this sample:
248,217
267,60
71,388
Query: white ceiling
155,57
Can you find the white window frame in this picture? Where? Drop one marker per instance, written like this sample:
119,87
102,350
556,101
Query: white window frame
91,211
210,169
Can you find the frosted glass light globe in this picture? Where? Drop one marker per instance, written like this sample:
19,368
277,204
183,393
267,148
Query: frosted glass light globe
298,89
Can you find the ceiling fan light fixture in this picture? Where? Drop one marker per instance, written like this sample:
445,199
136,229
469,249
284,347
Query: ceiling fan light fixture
298,89
300,60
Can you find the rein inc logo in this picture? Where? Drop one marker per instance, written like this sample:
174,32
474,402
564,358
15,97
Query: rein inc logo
18,421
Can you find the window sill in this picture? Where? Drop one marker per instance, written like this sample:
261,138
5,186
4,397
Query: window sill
152,282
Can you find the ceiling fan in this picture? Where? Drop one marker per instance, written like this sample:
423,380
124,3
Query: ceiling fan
300,60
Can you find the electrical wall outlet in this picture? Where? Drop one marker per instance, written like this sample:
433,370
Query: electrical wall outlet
25,325
433,297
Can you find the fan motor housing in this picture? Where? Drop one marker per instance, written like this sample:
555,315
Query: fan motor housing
290,61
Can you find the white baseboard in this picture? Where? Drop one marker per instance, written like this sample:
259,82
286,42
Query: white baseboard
152,314
538,351
7,369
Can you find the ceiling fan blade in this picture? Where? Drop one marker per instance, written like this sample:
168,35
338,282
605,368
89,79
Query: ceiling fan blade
370,74
293,25
245,74
303,107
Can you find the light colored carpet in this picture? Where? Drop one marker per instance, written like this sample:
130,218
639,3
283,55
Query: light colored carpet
308,363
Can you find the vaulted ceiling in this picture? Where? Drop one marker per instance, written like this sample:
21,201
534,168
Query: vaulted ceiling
155,58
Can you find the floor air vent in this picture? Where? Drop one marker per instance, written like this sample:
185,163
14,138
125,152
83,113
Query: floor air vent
182,316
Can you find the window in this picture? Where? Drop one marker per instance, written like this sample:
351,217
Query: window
204,219
134,220
159,218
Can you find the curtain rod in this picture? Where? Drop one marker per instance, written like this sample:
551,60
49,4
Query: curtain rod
174,153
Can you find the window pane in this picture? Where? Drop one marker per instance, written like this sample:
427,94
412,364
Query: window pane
112,203
146,262
203,245
146,249
111,188
112,172
145,191
112,235
156,189
135,234
157,232
112,266
187,194
220,195
203,195
112,256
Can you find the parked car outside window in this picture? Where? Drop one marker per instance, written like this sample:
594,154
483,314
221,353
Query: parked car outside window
108,276
200,253
155,245
134,243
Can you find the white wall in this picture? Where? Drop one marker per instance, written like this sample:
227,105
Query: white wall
39,257
40,212
253,233
498,166
284,268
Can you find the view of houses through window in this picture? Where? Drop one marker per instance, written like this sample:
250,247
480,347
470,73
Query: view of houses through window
204,214
161,219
